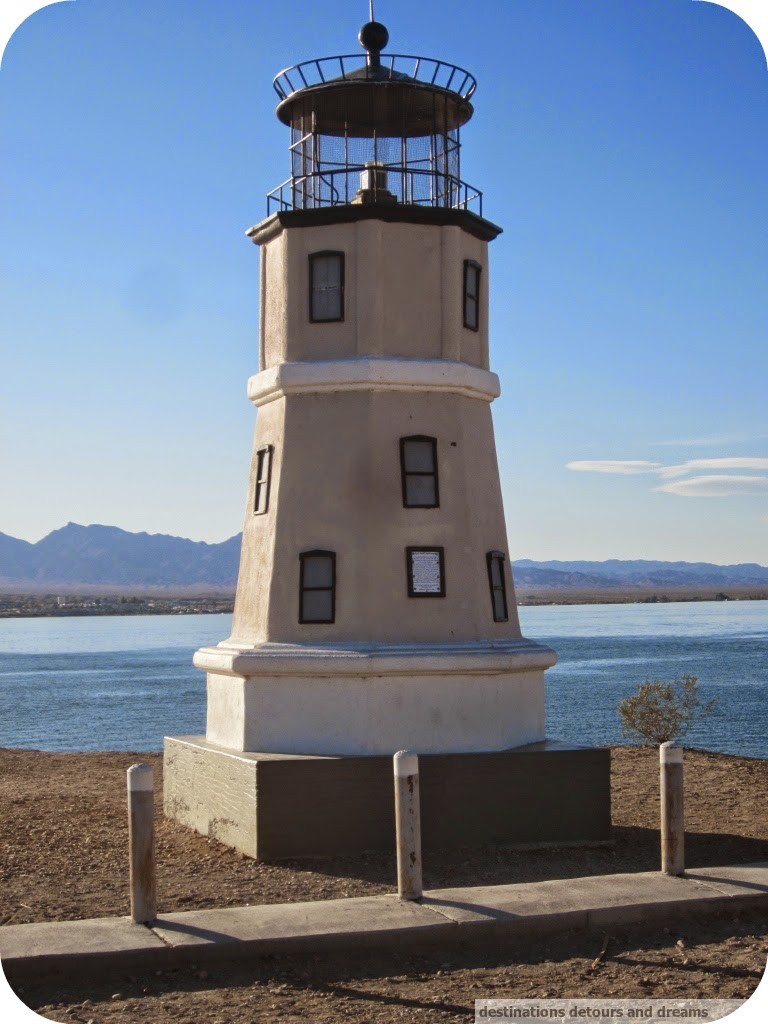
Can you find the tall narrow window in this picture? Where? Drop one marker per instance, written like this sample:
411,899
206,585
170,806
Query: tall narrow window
426,572
418,468
472,294
317,586
263,478
326,287
498,586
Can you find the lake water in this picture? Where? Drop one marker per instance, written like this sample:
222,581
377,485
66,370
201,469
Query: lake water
113,683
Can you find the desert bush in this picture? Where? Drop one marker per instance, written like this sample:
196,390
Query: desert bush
662,711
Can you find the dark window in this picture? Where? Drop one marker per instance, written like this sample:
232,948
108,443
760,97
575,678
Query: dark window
426,572
498,586
326,287
263,477
317,586
472,294
418,467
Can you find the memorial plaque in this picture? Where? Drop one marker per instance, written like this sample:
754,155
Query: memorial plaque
425,572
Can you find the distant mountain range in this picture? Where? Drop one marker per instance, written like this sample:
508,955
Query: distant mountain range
637,573
107,556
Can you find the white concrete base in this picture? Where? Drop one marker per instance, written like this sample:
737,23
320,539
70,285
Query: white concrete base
375,699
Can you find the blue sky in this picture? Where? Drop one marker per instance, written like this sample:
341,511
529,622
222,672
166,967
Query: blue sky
622,146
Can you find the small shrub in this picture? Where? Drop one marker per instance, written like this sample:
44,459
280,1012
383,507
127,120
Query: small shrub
662,711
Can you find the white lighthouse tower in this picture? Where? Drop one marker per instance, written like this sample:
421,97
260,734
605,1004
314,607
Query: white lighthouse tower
375,607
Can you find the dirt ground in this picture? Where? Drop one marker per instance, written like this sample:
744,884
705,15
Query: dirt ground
64,855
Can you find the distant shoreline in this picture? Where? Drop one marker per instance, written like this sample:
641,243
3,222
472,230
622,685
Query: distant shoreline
527,596
66,605
55,606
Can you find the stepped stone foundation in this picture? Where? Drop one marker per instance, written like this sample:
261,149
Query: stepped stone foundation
277,806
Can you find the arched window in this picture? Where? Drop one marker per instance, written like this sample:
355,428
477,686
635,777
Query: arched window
498,585
418,468
317,586
326,287
472,294
263,480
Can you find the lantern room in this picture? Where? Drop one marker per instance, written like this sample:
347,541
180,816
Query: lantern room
379,129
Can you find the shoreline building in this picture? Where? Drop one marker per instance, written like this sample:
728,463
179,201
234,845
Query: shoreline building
375,605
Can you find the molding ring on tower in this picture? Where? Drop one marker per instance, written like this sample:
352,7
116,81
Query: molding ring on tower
317,377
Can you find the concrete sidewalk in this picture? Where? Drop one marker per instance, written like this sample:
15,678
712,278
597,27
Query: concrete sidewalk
442,916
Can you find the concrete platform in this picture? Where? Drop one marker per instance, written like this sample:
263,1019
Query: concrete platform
278,806
442,917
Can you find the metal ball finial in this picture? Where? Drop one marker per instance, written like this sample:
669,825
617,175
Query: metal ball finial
374,37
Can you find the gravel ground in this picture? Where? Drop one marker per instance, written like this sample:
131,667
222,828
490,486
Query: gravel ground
63,856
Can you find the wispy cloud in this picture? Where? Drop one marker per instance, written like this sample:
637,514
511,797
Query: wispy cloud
627,467
716,486
697,464
708,485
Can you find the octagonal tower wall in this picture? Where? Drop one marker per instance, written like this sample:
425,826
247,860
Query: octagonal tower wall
403,288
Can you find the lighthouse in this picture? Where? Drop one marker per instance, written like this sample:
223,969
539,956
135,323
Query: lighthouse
375,606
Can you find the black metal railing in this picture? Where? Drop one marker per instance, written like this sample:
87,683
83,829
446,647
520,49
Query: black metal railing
425,70
405,185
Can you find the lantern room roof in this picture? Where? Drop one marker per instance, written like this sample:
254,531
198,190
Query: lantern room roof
397,95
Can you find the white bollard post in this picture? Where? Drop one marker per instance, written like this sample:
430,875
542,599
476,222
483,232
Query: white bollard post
408,825
672,824
141,842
